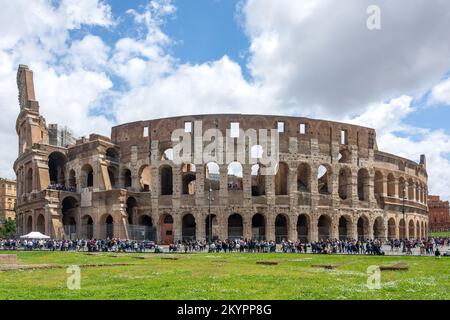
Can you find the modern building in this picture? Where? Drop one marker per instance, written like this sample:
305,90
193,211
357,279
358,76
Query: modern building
330,180
439,214
7,199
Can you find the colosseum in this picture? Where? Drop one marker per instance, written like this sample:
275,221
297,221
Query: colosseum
331,181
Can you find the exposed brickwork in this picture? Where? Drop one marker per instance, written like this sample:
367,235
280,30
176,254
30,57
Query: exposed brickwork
439,214
126,181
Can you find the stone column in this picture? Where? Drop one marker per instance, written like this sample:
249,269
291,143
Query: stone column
270,189
200,186
292,187
223,170
270,224
292,227
247,184
314,185
334,229
247,225
313,228
200,226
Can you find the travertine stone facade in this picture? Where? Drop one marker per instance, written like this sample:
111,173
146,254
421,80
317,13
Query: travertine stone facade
7,199
332,181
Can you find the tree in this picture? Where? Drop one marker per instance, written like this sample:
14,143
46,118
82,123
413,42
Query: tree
7,228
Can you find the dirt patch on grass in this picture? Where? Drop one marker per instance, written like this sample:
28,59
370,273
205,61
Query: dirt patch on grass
267,263
401,266
20,267
325,266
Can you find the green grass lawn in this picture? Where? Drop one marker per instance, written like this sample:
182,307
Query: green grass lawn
226,276
441,234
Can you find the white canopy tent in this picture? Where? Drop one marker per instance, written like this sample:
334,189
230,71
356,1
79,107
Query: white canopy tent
34,235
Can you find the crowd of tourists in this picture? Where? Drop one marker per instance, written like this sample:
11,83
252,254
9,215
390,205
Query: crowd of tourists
61,187
329,246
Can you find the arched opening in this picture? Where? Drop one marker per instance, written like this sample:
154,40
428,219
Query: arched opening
165,174
303,228
344,228
112,155
391,185
149,231
402,229
212,176
323,179
87,176
29,224
345,186
87,227
56,168
235,174
391,229
188,178
258,181
145,179
378,229
281,179
412,230
281,228
363,228
69,216
109,227
363,184
304,178
29,183
188,227
167,235
235,226
258,227
378,186
324,227
211,228
72,180
131,209
126,178
40,224
112,173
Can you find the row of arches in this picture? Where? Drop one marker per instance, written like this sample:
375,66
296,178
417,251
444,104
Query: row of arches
399,187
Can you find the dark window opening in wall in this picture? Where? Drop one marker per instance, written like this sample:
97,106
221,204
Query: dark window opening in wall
323,175
188,126
112,173
167,154
344,183
344,137
302,128
303,177
131,205
258,181
112,155
56,168
127,181
281,179
87,180
280,126
166,180
234,129
188,177
363,184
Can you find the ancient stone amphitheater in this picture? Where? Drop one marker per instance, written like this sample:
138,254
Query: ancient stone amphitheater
331,181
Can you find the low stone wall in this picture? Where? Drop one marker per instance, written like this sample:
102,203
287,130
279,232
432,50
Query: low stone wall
8,259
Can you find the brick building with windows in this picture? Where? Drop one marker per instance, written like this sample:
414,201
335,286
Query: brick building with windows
439,214
7,199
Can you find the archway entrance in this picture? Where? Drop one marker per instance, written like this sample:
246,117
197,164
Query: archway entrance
40,224
258,227
302,228
109,227
324,226
88,227
69,214
146,228
378,229
363,228
391,229
344,224
188,227
235,227
281,228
